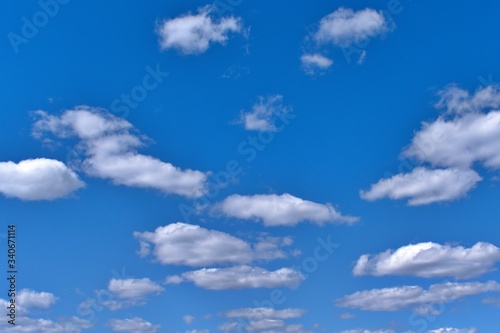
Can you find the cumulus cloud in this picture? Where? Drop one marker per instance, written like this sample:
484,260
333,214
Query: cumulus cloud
424,186
455,100
264,114
439,330
471,135
265,324
122,293
431,260
271,326
240,277
40,325
344,26
466,134
133,288
453,330
192,245
262,320
267,313
231,326
28,298
312,63
285,209
195,33
133,325
38,179
397,298
110,151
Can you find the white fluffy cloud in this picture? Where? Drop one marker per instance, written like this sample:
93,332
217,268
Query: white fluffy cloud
110,151
194,33
311,63
37,179
264,114
84,122
469,136
465,135
397,298
274,326
267,313
285,209
344,26
239,277
32,299
431,260
453,330
40,325
262,320
455,100
123,293
133,288
423,186
28,299
192,245
133,325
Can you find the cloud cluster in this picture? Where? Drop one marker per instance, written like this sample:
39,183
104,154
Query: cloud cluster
41,325
194,33
27,300
239,277
431,260
466,134
453,330
123,293
285,210
468,138
257,320
133,325
191,245
37,179
414,297
110,150
268,313
343,28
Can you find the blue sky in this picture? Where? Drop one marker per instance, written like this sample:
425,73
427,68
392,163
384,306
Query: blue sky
251,166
